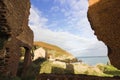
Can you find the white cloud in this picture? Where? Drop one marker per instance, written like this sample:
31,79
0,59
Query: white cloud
75,12
73,7
36,17
74,44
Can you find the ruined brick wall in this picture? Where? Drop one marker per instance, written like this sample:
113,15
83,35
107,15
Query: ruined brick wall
14,33
73,77
104,17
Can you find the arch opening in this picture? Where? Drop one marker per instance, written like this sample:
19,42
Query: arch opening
25,60
21,61
73,35
69,30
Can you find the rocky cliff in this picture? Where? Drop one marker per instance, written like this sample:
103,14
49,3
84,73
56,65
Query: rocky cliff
104,17
14,33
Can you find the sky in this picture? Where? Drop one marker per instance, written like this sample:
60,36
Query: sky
64,23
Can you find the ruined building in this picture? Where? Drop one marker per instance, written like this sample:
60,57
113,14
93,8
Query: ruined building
14,33
104,17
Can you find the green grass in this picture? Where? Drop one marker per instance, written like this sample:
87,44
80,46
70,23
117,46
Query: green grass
42,65
46,67
109,70
79,68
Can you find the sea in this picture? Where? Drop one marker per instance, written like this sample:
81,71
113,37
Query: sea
94,60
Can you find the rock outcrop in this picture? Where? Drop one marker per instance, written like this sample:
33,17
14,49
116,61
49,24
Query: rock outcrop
104,17
14,33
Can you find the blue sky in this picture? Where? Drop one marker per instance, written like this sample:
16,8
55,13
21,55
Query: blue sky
65,24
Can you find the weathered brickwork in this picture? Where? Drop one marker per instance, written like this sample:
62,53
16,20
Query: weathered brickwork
14,33
73,77
104,17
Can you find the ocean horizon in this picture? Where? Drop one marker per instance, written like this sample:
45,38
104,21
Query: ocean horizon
93,60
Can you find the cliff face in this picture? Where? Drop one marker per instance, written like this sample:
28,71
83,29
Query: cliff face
104,17
14,33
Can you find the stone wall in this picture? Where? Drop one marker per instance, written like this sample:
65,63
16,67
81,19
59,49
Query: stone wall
104,17
73,77
14,33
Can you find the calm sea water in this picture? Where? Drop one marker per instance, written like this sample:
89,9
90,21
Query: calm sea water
94,60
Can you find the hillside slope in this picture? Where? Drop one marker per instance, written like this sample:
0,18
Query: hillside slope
53,50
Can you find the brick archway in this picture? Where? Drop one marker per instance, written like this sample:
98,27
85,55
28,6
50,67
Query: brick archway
25,60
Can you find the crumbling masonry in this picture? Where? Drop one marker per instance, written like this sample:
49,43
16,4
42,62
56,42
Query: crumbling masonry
104,17
14,33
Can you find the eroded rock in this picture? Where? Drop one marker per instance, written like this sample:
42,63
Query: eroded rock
104,17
